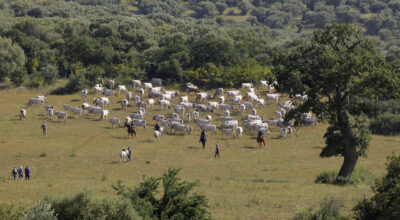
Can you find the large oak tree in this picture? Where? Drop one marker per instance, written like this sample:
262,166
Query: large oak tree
343,77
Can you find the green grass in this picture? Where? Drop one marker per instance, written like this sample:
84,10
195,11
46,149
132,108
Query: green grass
245,183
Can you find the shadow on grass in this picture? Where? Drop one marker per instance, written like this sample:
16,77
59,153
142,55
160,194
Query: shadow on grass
114,162
116,109
193,148
318,147
75,100
146,141
250,147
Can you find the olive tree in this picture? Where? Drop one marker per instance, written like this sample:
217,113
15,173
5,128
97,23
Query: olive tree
342,75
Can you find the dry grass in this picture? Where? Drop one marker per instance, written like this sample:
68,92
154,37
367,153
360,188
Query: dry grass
245,183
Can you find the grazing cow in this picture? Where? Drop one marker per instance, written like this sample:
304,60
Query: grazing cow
137,83
226,107
108,92
121,88
128,95
104,114
62,115
124,104
147,86
155,90
274,97
236,101
35,101
136,116
157,135
101,101
260,102
47,107
247,104
203,108
201,121
85,106
95,110
213,105
234,123
247,85
114,121
200,96
226,126
156,81
175,115
309,121
138,122
228,133
195,115
50,112
284,131
221,100
208,117
184,99
22,114
84,93
150,103
301,98
158,118
239,131
163,104
227,113
233,93
252,90
242,108
192,88
42,97
67,107
136,99
98,88
189,129
219,91
110,84
76,111
166,97
271,89
254,118
209,127
164,122
172,93
263,83
226,118
254,111
178,127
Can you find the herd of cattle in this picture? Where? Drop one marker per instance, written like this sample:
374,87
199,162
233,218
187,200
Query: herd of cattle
147,95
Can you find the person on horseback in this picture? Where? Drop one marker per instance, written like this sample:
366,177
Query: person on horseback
203,138
157,127
260,138
260,134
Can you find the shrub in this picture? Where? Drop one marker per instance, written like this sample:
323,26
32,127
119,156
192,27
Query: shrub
385,202
85,206
326,177
41,211
388,124
360,176
329,210
43,154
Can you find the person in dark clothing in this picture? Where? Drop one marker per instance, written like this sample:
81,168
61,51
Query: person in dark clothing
27,173
203,138
157,127
216,151
130,154
44,128
20,173
14,173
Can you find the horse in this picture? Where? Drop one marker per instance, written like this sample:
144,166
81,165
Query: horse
131,130
123,156
260,140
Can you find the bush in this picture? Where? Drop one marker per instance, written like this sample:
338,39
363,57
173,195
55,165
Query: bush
359,176
329,210
388,124
176,202
326,177
85,206
386,200
41,211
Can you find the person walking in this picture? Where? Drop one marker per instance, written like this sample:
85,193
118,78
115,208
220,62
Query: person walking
20,172
216,151
129,154
27,173
14,173
203,138
44,128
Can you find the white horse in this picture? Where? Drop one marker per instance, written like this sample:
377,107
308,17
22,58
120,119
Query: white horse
123,156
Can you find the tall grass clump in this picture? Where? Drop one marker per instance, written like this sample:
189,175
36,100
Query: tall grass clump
329,209
360,176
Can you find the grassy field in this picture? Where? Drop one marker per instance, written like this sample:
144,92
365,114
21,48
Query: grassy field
245,183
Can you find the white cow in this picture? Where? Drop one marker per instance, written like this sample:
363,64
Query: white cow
158,118
226,107
76,111
239,131
254,111
84,93
34,101
184,99
228,132
124,104
136,83
104,114
209,127
67,107
95,109
219,91
98,88
221,100
247,85
50,112
114,121
110,84
62,115
260,102
141,92
201,121
137,115
213,105
274,97
233,93
195,115
200,96
263,83
163,104
157,135
128,95
242,108
22,114
101,101
147,86
155,90
227,113
208,117
127,121
138,122
121,88
108,92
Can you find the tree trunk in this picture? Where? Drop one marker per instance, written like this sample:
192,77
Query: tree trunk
349,152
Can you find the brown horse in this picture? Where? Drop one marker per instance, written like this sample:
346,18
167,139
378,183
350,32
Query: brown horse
131,130
260,141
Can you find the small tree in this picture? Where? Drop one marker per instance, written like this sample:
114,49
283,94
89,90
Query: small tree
176,201
11,57
386,201
342,76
